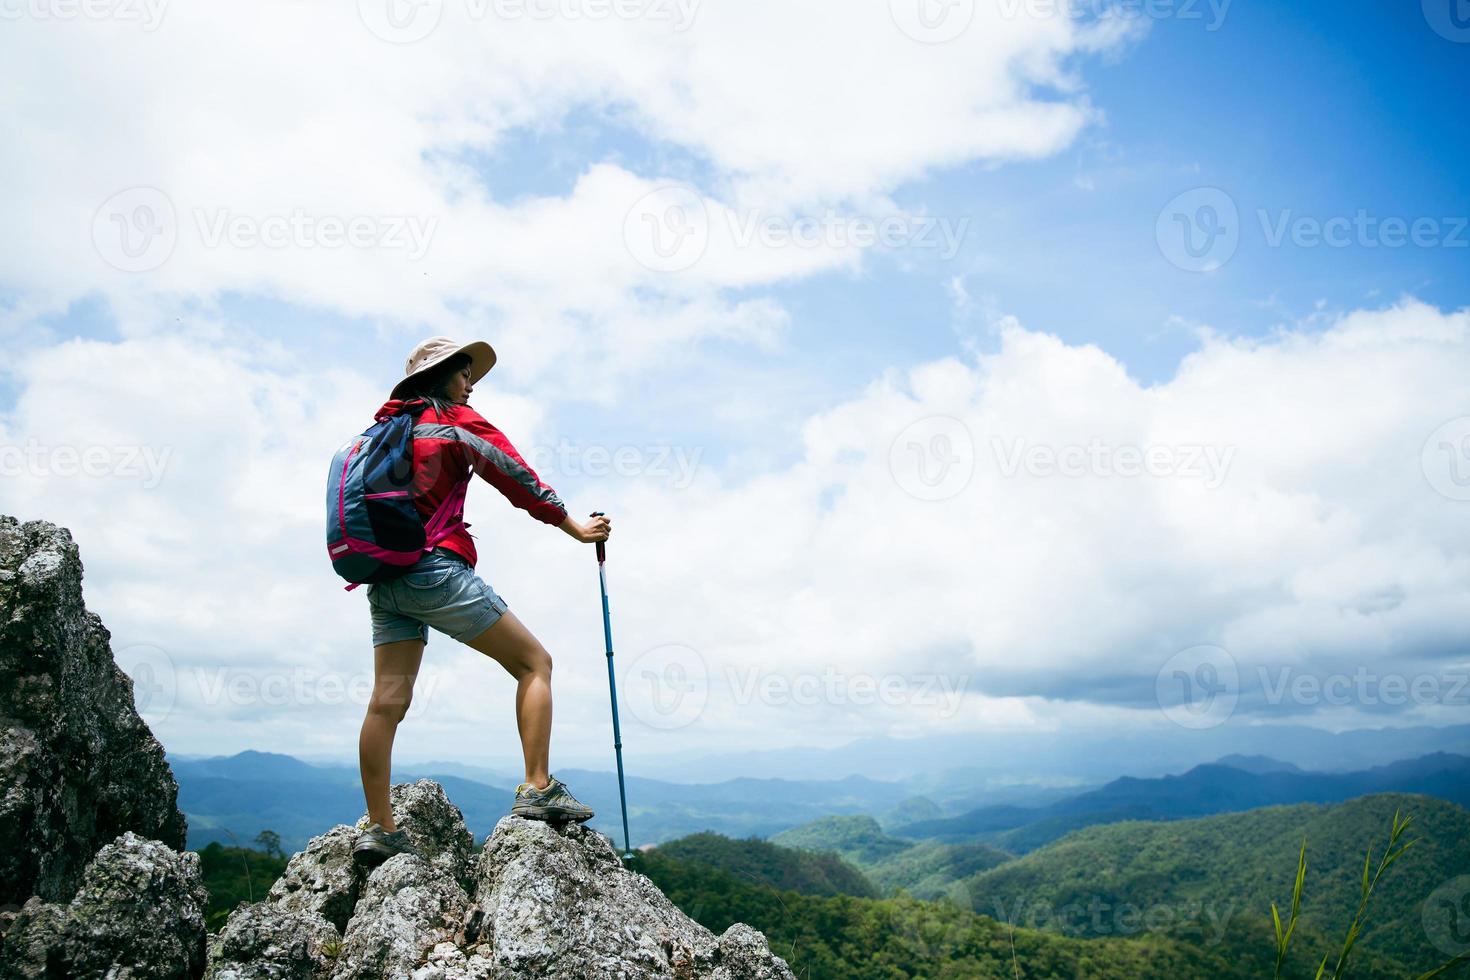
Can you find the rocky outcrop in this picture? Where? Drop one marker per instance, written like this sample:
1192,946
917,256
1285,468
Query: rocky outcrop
538,900
81,767
138,913
91,843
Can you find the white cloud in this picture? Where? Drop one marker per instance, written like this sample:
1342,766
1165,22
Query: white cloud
293,123
1323,546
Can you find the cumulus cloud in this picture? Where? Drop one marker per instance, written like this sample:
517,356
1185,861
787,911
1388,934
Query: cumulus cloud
332,155
1020,538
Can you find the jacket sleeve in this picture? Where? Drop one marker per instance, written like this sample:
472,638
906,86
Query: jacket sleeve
490,454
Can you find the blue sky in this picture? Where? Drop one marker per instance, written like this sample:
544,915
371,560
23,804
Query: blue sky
1056,151
1316,110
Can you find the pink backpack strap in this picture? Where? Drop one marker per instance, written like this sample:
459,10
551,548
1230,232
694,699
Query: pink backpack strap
448,518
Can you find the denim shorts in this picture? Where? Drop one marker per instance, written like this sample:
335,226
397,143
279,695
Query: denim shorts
440,590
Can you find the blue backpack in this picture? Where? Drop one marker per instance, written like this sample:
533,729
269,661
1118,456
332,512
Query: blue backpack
374,531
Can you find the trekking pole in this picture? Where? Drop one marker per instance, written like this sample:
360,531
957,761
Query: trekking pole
612,686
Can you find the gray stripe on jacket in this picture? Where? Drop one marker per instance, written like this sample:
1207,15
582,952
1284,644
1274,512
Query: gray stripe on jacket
497,457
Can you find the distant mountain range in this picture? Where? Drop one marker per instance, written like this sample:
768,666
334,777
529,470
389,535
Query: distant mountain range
231,799
949,768
1203,790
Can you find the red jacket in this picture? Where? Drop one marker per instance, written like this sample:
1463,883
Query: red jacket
448,447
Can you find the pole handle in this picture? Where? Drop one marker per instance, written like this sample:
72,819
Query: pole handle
601,545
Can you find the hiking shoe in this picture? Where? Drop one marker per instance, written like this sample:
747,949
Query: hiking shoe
551,803
376,845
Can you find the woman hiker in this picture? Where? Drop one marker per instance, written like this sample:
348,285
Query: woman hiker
451,441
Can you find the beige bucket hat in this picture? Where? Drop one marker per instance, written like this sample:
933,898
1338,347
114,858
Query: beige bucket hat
435,351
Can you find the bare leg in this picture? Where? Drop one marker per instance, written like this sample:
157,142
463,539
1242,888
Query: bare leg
395,667
511,645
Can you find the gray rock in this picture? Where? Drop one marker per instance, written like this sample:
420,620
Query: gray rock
321,879
408,907
544,901
556,902
434,825
267,941
81,766
138,915
32,948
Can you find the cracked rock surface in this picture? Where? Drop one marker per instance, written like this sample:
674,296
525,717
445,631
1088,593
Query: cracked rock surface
538,900
81,766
